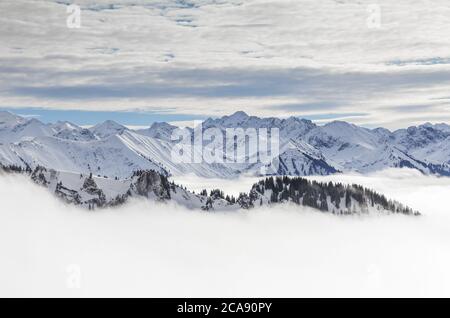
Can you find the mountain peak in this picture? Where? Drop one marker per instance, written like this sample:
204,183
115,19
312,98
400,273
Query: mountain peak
108,128
161,125
438,126
338,123
65,125
159,130
34,121
239,114
228,121
235,118
110,123
8,119
5,113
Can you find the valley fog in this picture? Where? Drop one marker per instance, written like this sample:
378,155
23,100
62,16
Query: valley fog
163,250
421,192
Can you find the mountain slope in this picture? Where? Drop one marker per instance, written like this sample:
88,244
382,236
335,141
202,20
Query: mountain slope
113,150
93,192
351,148
428,143
159,131
9,120
107,129
296,157
110,157
326,197
70,131
16,130
89,191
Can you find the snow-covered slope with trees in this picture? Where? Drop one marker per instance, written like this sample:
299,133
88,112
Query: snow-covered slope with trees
93,192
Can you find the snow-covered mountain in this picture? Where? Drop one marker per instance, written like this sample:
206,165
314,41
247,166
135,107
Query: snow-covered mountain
113,156
89,191
76,135
14,128
341,146
70,131
161,131
352,148
428,143
296,157
93,192
9,120
112,150
107,129
65,125
290,128
300,159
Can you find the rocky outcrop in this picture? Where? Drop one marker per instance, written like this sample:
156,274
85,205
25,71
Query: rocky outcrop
91,188
68,195
38,176
208,205
151,184
335,198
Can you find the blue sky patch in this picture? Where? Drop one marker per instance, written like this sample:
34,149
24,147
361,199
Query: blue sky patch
81,117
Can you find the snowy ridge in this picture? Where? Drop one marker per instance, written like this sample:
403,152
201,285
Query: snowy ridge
107,129
110,149
327,197
161,131
93,192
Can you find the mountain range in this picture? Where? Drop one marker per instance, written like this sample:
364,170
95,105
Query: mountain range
112,150
107,164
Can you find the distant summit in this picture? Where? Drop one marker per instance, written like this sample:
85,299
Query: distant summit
111,149
107,129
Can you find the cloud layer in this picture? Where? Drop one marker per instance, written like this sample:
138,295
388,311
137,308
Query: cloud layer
208,57
143,249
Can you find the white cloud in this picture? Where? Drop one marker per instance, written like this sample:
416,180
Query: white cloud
214,57
144,249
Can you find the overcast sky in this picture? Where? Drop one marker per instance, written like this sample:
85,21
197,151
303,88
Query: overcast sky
324,60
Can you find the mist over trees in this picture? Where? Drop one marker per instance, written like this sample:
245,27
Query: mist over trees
331,197
336,198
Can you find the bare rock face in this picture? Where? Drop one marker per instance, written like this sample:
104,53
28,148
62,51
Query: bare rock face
38,176
208,205
68,195
245,201
151,184
90,187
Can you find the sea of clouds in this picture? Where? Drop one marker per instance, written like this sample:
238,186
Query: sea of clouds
148,249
